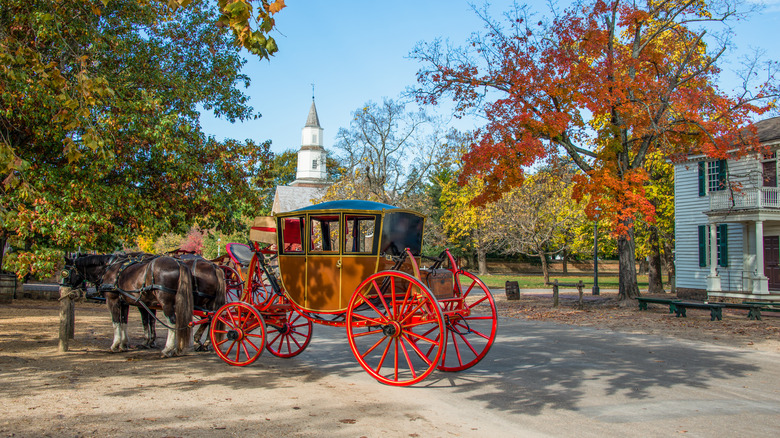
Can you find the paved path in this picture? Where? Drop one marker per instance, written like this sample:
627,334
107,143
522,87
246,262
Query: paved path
549,379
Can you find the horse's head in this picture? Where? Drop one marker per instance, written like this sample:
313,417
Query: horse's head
85,268
72,277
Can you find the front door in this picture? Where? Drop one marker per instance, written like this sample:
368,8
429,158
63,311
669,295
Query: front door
772,261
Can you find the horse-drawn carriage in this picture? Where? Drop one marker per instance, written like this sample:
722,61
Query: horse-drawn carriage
352,264
355,264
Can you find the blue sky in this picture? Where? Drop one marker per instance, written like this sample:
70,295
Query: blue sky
356,51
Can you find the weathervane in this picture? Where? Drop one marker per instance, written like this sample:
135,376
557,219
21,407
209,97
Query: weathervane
312,91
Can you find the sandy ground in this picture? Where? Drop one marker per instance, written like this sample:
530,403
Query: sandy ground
90,392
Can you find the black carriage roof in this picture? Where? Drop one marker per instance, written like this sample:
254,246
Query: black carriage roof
349,205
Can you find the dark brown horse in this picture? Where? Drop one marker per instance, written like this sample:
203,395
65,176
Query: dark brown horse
208,289
150,282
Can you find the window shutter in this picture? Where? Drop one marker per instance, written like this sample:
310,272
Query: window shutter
702,246
723,245
702,178
722,168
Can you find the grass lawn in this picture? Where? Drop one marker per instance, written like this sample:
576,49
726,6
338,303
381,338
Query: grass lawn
537,281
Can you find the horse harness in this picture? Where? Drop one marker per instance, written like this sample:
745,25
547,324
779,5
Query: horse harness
109,287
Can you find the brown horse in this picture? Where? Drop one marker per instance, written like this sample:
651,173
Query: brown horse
150,282
208,289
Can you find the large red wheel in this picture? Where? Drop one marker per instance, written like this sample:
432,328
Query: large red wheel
471,323
238,333
395,328
233,284
289,333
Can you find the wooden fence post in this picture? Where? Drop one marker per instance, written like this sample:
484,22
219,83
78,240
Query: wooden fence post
555,293
579,289
67,317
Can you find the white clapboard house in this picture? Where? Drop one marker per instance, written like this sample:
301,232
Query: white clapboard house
727,223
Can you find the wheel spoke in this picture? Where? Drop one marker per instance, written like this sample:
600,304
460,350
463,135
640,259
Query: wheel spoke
370,332
379,342
420,337
401,345
416,350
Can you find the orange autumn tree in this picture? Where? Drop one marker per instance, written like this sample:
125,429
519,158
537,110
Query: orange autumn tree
605,83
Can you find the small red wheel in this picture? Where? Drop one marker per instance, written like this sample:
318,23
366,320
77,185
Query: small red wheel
386,319
233,284
237,333
471,323
289,333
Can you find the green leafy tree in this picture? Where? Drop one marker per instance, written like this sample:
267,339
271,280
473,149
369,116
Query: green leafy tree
99,135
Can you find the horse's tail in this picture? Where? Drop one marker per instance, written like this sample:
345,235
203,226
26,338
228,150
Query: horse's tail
184,309
221,297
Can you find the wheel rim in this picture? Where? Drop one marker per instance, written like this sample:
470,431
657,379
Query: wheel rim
289,335
385,319
471,329
238,333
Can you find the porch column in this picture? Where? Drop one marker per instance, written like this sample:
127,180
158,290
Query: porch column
760,282
713,280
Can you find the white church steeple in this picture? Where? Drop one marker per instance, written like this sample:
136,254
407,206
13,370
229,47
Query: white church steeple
311,157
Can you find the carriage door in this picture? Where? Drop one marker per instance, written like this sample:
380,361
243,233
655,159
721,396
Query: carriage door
359,258
323,263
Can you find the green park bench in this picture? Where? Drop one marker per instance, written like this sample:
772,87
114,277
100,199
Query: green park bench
716,309
765,306
754,310
644,300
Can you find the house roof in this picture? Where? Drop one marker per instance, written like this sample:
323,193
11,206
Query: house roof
768,129
289,198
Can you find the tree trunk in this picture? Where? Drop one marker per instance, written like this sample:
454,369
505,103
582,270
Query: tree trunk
482,261
545,267
654,271
627,285
565,261
3,240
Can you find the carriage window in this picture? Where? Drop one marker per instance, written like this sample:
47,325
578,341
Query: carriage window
324,234
292,230
402,230
359,234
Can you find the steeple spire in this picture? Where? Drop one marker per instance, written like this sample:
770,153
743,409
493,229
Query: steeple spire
313,121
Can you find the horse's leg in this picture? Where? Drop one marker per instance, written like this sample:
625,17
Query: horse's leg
115,309
152,328
124,343
149,331
201,346
170,318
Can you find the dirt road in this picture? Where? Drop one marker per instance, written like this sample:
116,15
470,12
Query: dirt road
541,379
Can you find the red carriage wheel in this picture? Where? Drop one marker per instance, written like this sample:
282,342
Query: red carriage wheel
395,328
471,322
238,333
289,333
233,284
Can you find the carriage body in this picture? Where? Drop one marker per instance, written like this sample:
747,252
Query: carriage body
326,251
355,264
